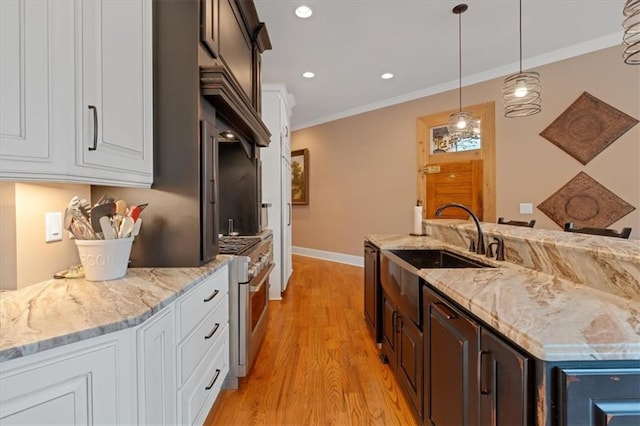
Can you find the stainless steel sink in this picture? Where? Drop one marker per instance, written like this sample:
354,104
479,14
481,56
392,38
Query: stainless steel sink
436,258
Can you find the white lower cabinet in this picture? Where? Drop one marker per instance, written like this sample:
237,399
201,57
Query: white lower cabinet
197,396
84,383
168,370
156,369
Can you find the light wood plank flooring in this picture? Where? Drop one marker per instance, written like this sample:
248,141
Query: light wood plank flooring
318,364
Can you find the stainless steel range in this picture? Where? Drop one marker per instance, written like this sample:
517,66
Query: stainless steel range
249,299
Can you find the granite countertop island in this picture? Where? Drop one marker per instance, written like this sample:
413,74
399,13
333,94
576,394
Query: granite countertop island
552,318
57,312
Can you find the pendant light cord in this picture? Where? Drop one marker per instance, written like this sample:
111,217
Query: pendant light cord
520,36
460,57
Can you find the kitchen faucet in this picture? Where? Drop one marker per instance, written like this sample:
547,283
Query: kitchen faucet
480,245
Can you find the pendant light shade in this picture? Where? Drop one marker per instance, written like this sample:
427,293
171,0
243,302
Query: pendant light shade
521,91
631,37
460,124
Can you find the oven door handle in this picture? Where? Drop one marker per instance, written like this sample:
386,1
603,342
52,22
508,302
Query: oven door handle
265,275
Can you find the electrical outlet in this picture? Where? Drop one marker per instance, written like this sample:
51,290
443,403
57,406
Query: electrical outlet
53,226
526,208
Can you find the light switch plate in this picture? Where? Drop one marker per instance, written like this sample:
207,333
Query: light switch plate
53,226
526,208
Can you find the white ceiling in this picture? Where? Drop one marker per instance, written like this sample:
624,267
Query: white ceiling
348,44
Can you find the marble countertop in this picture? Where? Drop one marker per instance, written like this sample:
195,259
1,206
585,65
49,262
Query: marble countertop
57,312
551,318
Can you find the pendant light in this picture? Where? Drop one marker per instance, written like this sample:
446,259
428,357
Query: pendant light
631,37
521,91
460,124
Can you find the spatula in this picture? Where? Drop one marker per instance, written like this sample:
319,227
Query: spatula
100,210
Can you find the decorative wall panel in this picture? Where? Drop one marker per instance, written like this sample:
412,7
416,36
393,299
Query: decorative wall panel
586,203
587,127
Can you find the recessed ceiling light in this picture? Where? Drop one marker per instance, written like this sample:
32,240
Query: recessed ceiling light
386,76
308,74
303,12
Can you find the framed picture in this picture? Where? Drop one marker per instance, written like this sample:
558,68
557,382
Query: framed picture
300,176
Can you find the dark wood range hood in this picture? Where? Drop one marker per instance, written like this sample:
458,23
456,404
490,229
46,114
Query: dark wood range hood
224,93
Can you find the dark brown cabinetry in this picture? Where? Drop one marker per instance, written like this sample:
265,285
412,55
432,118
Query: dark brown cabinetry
505,383
599,396
372,290
451,344
471,376
402,348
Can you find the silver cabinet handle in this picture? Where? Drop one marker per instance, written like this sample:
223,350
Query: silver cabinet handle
214,379
290,214
95,128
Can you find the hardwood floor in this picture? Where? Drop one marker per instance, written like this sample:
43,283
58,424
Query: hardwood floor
318,364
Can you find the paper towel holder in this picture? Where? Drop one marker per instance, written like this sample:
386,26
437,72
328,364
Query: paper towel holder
414,234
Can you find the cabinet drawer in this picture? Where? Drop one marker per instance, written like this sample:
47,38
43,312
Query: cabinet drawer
198,394
205,336
199,302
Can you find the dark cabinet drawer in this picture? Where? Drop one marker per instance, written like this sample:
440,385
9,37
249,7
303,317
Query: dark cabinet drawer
599,396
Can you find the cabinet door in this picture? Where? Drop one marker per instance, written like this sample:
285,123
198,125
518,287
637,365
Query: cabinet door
450,362
371,287
506,396
410,362
157,370
116,91
74,385
287,218
599,396
36,87
389,320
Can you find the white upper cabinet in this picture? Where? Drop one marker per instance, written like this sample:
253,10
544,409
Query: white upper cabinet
76,75
36,88
115,105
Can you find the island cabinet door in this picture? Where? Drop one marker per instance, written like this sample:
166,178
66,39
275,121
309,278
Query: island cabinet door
389,320
371,289
505,383
450,364
599,396
410,362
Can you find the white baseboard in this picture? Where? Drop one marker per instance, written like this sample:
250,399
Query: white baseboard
331,256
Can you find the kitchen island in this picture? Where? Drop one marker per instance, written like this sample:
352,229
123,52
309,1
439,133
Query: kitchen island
149,348
571,339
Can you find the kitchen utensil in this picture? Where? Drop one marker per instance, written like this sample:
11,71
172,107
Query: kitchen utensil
107,228
81,228
121,207
100,210
85,208
136,228
126,227
134,212
68,217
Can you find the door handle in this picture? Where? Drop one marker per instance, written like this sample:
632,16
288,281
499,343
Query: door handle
214,379
210,298
290,214
481,374
95,128
444,310
212,332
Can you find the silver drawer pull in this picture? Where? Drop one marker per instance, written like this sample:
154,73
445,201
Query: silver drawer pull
214,379
210,298
210,335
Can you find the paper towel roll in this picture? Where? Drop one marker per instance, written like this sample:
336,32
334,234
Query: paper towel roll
417,220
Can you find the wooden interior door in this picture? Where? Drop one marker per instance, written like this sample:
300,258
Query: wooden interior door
456,182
